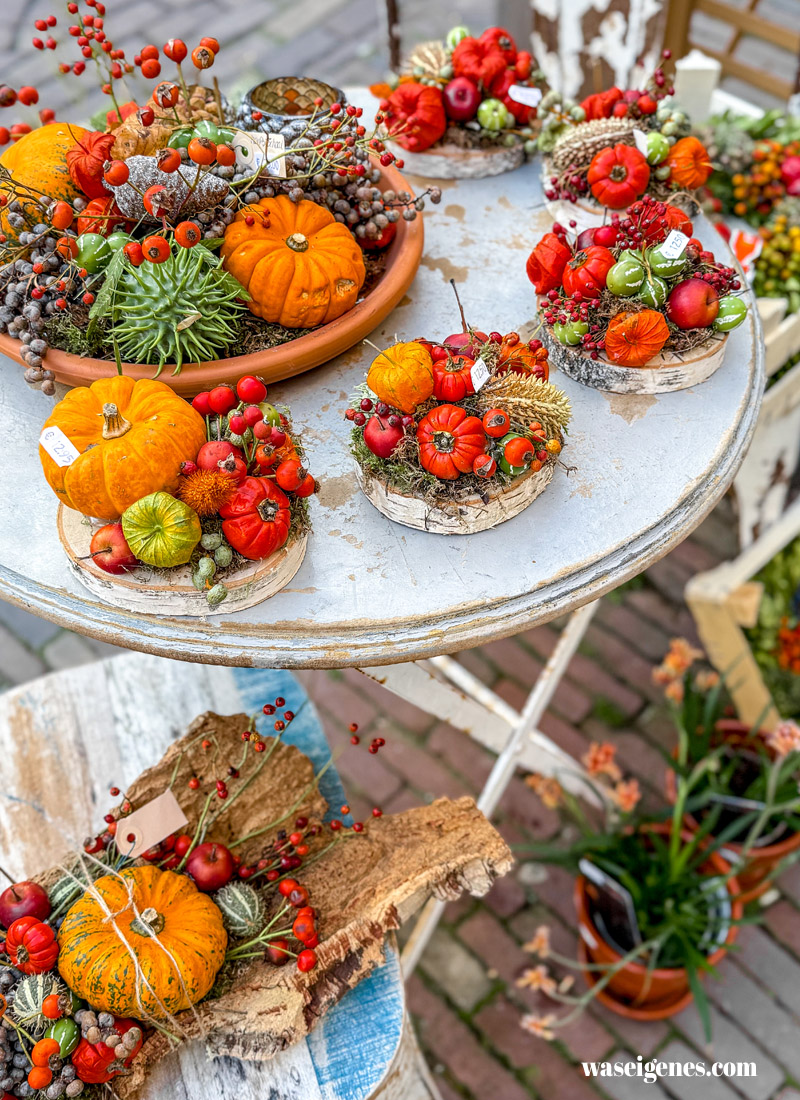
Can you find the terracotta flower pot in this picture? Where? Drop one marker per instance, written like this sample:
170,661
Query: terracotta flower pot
756,877
635,991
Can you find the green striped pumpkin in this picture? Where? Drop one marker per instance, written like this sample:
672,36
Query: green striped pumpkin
29,997
243,910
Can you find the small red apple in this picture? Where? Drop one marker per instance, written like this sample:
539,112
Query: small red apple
463,341
23,899
693,304
461,99
382,437
211,866
110,551
210,454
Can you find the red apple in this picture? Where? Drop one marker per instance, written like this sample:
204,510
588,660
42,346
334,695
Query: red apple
463,342
461,99
211,866
217,450
382,437
23,899
693,304
109,549
605,235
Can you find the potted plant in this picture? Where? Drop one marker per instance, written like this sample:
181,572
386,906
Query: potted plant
657,903
744,782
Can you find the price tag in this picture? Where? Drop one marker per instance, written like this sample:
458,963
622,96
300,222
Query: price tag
521,93
479,374
62,451
149,825
640,138
674,246
257,151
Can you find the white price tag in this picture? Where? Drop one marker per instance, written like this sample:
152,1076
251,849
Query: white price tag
149,825
479,374
62,451
640,138
674,246
521,93
256,151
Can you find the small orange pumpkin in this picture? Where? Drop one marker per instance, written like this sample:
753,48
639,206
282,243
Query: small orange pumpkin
402,376
689,164
633,339
301,267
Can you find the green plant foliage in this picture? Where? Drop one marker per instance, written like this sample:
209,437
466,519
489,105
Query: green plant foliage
779,606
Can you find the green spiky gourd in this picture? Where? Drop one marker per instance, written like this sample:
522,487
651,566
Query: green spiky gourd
28,1000
243,911
184,310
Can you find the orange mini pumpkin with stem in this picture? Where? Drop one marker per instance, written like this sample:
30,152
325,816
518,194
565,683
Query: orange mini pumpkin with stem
449,441
689,164
402,376
633,339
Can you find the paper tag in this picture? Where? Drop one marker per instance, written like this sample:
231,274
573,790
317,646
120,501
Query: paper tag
256,151
521,93
479,374
640,138
62,451
149,825
674,246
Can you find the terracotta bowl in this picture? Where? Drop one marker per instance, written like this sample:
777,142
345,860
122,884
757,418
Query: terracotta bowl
275,364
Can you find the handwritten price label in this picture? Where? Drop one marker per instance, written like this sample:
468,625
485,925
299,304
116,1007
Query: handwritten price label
640,137
675,245
62,451
149,825
479,374
257,151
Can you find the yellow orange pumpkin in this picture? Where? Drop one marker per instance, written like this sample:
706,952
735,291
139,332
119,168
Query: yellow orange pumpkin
131,438
301,267
38,166
402,376
689,163
162,924
633,339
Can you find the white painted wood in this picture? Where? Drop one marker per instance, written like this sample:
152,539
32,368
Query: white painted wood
465,517
783,342
593,529
154,593
450,162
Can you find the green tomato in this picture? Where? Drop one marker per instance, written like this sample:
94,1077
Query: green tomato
657,147
207,129
625,277
577,114
494,115
66,1033
570,334
663,172
118,240
732,311
456,35
662,265
93,252
653,292
227,135
180,139
271,414
669,129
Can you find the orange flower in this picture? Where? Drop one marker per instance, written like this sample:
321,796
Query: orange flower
626,795
547,788
540,944
706,679
599,760
536,978
679,658
674,691
540,1026
785,738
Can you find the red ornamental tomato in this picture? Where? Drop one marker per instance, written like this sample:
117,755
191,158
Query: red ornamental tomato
481,61
618,176
256,522
449,441
415,116
452,378
601,104
499,38
95,1063
657,227
499,90
31,945
546,263
586,271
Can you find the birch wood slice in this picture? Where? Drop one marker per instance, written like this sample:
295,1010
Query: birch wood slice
463,517
664,374
170,594
451,162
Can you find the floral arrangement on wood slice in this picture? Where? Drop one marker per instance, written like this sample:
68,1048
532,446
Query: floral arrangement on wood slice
463,94
617,146
638,292
458,434
110,235
176,492
248,915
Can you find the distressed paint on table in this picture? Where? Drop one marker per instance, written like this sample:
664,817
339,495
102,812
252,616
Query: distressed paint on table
646,472
65,738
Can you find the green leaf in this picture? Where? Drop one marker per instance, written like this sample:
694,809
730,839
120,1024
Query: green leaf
104,302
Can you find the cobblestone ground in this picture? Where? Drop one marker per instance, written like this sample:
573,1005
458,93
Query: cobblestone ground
463,996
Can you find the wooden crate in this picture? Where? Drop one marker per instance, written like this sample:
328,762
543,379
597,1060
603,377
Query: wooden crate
724,602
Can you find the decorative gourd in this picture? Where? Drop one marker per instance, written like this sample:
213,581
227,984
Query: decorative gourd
633,339
618,176
161,530
301,267
689,164
131,437
449,441
415,117
479,59
452,378
243,910
174,933
29,996
39,161
519,358
85,162
257,521
402,376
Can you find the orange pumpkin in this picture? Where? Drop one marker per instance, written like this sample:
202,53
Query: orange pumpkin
689,163
301,267
633,339
131,438
38,166
402,376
